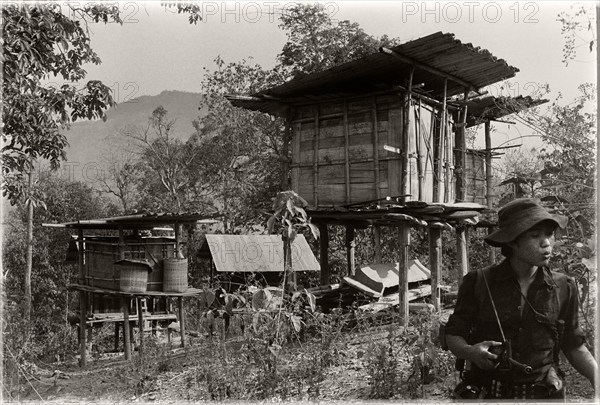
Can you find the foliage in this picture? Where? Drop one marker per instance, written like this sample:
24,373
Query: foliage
39,41
315,43
241,149
577,27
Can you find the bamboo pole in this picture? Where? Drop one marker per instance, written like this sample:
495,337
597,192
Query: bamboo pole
405,140
435,260
460,154
323,253
489,195
404,239
350,250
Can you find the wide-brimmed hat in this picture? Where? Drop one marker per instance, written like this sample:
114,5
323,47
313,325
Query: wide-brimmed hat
519,216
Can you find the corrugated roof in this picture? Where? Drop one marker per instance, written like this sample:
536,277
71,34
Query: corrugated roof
144,220
492,108
434,56
258,253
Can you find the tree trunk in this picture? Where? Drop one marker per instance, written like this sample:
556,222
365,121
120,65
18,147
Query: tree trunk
29,258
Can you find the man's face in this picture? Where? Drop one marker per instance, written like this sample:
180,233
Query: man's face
534,246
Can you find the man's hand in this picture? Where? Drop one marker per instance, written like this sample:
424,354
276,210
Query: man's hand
482,357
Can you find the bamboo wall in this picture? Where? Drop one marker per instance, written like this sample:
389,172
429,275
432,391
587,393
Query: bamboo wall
351,151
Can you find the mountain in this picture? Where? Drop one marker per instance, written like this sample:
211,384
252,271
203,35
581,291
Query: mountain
88,139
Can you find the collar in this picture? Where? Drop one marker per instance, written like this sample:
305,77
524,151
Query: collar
504,271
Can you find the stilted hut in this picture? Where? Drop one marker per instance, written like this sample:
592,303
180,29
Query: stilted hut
128,271
380,141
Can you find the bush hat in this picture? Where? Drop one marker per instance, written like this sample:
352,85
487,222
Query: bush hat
519,216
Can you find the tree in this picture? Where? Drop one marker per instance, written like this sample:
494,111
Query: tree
165,157
241,149
315,43
578,29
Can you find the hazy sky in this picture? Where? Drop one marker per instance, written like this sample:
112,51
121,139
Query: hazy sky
157,49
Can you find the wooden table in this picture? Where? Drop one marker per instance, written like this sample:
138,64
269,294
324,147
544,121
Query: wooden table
126,298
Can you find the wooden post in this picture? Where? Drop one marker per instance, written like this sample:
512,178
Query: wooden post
460,148
437,186
178,253
285,154
116,336
404,239
420,158
377,243
140,324
346,152
82,327
435,264
405,139
316,159
126,327
375,129
82,302
350,250
461,251
489,196
181,320
323,253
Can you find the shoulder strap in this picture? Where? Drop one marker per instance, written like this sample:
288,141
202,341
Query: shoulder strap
480,289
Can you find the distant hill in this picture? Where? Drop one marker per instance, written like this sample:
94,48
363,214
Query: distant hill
88,139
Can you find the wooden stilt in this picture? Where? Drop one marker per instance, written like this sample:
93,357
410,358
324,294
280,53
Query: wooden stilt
82,327
117,326
181,320
435,264
404,239
323,253
461,251
126,327
405,139
140,325
489,196
350,250
377,243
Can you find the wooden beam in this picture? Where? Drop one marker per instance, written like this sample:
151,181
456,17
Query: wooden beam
427,68
350,250
437,185
404,239
324,252
316,158
435,264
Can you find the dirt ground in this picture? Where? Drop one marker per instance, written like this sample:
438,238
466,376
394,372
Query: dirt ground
113,380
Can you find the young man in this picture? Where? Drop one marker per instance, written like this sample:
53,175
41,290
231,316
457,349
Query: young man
511,341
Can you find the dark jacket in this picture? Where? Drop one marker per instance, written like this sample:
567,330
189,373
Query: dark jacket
534,334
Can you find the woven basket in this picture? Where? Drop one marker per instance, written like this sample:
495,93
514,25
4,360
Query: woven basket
134,275
175,275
